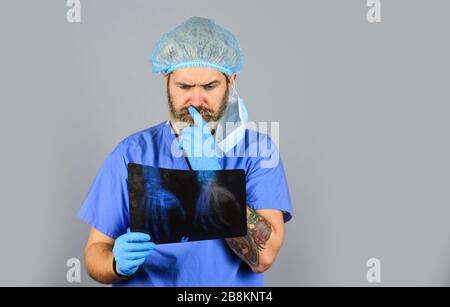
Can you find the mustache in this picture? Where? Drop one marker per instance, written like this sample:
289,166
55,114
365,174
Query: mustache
208,115
204,112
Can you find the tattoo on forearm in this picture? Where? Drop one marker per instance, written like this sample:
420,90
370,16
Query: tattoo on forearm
258,233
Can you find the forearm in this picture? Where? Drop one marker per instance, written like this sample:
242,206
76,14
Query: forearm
260,246
98,260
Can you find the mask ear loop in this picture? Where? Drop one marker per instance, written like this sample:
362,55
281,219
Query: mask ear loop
231,140
234,94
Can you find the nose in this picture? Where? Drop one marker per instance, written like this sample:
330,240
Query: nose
196,99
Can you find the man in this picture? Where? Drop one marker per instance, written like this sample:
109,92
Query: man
199,61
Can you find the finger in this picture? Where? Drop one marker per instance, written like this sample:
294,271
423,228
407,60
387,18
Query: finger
139,247
131,264
136,237
197,117
136,255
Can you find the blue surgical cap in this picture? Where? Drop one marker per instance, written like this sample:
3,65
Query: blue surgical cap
198,42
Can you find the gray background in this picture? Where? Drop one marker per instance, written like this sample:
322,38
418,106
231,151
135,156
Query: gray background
364,130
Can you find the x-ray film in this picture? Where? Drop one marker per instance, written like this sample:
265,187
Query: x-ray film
179,205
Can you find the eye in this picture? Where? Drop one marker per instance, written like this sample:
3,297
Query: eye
184,87
209,87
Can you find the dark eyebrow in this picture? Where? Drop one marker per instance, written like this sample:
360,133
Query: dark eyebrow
214,82
183,84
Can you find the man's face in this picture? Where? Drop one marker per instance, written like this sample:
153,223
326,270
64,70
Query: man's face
204,88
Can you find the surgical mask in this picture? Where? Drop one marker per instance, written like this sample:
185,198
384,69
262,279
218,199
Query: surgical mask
232,125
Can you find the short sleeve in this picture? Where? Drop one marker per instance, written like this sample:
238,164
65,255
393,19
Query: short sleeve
266,183
106,205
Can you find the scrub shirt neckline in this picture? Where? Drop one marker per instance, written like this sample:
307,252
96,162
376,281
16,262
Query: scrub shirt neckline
170,138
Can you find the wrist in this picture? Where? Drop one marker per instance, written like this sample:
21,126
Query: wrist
116,272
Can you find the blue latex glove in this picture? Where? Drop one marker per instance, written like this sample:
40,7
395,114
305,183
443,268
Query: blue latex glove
198,144
130,251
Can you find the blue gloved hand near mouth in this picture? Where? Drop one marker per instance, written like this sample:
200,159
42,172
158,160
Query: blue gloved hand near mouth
198,144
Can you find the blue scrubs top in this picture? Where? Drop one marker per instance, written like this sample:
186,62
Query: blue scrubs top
197,263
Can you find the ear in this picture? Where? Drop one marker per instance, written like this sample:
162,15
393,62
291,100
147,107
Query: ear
233,79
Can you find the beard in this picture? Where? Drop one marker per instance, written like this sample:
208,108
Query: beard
208,115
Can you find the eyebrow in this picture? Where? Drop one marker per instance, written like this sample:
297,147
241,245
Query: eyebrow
214,82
